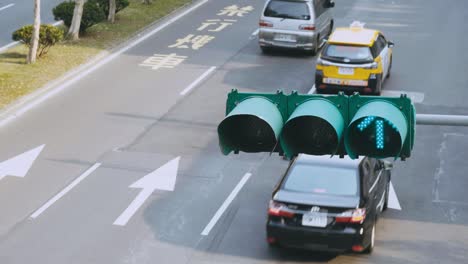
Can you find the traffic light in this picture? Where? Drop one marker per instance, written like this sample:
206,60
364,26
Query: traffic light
380,126
253,122
315,125
318,125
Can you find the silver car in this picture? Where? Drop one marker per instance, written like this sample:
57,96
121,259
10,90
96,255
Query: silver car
297,24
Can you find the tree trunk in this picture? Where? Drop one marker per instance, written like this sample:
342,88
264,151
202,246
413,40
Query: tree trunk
146,2
35,34
111,17
74,31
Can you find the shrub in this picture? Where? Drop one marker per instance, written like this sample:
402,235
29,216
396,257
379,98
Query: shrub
92,14
48,36
120,4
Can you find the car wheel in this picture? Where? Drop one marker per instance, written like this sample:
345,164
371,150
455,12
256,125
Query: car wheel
265,50
378,89
316,47
389,68
370,248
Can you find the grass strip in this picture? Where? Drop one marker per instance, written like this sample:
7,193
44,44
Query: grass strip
18,78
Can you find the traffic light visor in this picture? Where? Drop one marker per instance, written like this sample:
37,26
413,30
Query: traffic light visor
378,129
254,125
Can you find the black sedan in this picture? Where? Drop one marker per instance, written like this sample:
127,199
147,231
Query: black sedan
329,204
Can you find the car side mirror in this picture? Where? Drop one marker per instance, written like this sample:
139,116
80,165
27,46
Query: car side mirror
330,4
390,44
386,165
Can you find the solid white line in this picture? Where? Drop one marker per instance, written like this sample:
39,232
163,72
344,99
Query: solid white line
255,33
197,81
7,6
312,90
9,45
65,191
225,205
60,22
104,61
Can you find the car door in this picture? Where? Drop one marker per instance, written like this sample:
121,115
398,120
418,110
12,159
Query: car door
384,54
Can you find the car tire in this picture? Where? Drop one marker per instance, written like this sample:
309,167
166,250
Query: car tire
265,50
378,89
315,50
370,248
389,68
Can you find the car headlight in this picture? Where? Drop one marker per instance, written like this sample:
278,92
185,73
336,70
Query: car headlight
319,62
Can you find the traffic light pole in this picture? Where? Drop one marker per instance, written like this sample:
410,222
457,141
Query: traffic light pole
441,120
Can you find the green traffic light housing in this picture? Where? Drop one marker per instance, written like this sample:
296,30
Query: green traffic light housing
315,125
380,127
253,122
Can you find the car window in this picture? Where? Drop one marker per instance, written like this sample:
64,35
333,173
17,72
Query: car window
322,180
380,44
287,9
348,52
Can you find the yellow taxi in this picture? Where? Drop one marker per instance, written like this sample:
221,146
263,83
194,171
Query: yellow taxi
354,59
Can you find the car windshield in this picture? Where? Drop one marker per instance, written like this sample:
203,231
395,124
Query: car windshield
348,52
322,180
287,9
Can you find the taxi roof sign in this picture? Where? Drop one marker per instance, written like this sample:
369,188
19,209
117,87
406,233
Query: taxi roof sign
355,34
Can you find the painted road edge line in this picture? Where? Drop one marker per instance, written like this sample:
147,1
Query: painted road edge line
312,90
102,62
74,183
226,204
7,6
198,81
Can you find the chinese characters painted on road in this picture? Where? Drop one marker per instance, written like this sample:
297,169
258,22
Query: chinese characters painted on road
158,61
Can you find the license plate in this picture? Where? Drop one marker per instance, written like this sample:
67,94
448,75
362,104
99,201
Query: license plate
345,82
314,219
345,71
285,37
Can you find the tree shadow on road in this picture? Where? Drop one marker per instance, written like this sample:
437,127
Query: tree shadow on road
13,58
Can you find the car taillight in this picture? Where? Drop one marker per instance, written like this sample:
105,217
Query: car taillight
307,27
264,23
352,216
279,209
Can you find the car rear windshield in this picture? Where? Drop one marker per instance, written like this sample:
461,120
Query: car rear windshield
353,53
322,180
287,9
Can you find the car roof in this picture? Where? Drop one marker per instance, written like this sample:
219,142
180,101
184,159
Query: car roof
355,34
331,161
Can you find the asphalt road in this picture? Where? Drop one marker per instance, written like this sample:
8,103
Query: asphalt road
17,13
131,116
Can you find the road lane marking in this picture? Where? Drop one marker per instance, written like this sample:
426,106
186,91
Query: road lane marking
414,96
7,6
19,166
197,81
163,178
312,90
254,34
58,23
90,67
226,204
74,183
393,199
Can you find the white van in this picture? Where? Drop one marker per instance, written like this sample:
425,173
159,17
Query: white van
297,24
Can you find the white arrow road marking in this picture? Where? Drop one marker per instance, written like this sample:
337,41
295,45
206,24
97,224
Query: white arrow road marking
65,191
393,199
226,204
163,178
19,166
